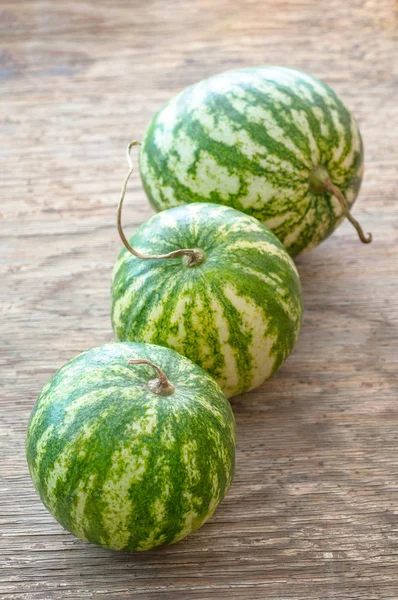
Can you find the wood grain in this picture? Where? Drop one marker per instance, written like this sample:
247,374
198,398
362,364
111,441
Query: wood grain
312,513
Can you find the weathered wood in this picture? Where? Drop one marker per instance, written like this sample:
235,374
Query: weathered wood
312,513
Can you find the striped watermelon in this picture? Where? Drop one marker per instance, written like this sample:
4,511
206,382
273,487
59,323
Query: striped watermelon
272,142
125,459
236,311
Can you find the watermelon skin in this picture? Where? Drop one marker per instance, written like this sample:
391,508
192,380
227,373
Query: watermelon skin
250,139
121,466
237,314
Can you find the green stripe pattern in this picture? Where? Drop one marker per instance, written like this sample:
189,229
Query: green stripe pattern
237,314
121,466
250,139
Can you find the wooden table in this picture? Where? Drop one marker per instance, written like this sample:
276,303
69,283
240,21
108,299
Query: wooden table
313,510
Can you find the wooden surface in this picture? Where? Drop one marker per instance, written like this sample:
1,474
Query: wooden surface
313,511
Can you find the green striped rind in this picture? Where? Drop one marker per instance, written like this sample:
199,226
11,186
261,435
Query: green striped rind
249,139
121,466
237,315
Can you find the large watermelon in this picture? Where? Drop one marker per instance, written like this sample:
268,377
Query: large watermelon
124,458
272,142
235,311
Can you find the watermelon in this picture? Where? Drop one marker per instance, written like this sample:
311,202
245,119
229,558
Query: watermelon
269,141
234,306
131,456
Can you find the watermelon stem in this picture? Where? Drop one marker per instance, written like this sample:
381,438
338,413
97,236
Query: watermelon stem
192,256
321,181
161,385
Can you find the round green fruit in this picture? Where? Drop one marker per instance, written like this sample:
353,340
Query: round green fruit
269,141
131,456
231,301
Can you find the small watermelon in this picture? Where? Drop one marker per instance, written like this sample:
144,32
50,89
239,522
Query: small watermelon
131,456
269,141
215,285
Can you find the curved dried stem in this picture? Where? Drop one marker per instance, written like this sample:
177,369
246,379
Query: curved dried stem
333,189
194,256
161,385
